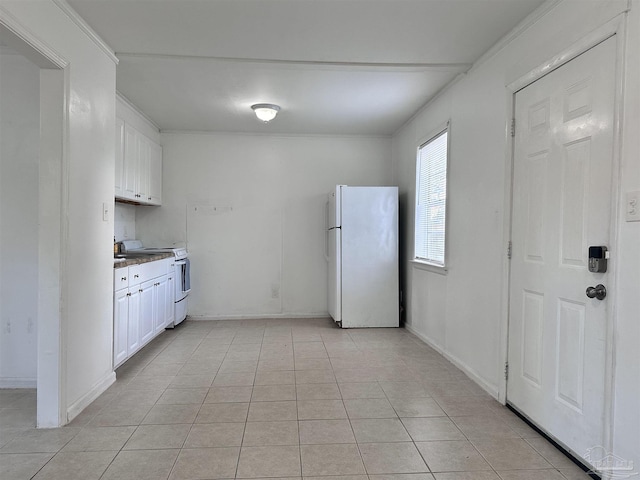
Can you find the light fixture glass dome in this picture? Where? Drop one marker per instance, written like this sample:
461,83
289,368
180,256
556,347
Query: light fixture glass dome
265,111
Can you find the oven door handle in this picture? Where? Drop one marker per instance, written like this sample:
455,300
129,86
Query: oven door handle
180,262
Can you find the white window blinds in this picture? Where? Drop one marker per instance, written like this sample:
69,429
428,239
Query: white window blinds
431,200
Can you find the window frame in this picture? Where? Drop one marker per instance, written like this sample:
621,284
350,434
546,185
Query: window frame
418,262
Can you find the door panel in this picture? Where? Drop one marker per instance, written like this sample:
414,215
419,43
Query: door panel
147,311
120,326
130,163
334,254
369,248
170,305
133,327
334,275
533,319
160,307
570,353
119,183
561,205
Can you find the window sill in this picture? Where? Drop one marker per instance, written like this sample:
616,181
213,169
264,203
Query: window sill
429,267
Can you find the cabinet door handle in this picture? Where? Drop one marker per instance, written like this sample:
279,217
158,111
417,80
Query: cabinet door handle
136,276
140,290
128,294
149,198
123,279
170,278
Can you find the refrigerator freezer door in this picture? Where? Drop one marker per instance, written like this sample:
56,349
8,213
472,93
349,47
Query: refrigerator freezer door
333,238
334,276
333,208
369,253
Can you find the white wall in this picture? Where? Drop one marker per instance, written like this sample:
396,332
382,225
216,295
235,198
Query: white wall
124,222
251,210
19,140
460,313
87,268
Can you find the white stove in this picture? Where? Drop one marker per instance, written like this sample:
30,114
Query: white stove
179,252
182,273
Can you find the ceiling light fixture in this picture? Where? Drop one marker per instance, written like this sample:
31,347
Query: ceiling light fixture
265,111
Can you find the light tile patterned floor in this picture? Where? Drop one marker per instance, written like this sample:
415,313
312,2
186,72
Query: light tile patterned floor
281,398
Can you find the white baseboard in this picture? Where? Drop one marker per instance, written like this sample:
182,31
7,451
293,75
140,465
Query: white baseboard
83,402
18,382
468,371
259,316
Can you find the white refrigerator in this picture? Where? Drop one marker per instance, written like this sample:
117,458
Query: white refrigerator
362,256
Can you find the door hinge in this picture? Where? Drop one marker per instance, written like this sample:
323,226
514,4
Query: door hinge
513,127
506,370
509,250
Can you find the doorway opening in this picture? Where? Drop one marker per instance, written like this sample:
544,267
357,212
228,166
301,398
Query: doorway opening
32,192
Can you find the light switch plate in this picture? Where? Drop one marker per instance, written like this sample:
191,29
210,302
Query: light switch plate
105,212
632,207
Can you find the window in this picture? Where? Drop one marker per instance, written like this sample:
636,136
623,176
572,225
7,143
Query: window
431,199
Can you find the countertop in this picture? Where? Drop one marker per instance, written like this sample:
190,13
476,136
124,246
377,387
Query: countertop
137,260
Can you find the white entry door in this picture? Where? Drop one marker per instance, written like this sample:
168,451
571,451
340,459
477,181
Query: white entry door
563,159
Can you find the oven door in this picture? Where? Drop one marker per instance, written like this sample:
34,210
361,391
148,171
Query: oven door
183,277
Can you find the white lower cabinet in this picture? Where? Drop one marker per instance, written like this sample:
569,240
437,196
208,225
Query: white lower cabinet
120,326
146,311
160,302
133,321
171,295
142,310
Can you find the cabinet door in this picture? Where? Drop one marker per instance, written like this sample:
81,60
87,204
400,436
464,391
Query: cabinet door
133,327
147,294
161,288
120,325
171,296
119,181
144,159
155,174
130,164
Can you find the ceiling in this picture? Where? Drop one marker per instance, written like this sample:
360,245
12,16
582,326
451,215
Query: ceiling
359,67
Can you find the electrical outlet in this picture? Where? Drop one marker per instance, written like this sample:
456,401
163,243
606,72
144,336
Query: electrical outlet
632,207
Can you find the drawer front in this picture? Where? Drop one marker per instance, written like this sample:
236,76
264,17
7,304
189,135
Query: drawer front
120,278
135,275
171,266
152,270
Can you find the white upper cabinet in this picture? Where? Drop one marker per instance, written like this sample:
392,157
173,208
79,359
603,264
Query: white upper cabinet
144,154
138,166
119,157
155,174
130,164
